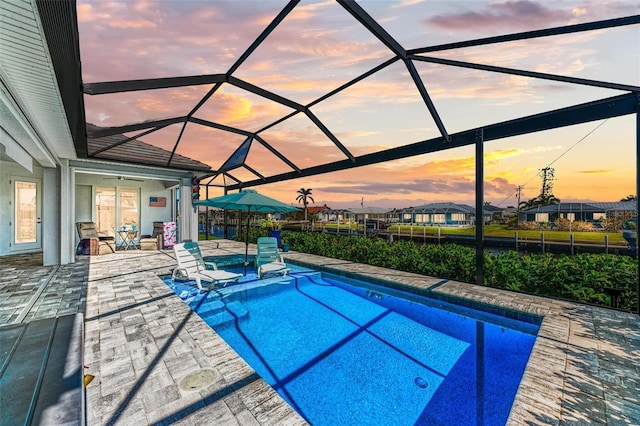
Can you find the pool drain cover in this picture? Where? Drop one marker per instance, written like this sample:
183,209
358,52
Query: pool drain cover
421,382
198,379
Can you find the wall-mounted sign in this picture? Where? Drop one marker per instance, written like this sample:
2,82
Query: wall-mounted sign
157,201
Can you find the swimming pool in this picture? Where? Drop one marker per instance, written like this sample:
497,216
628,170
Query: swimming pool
342,351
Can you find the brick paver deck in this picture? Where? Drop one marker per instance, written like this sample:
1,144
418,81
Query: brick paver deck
141,340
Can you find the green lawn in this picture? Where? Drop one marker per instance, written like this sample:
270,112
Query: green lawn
211,237
502,231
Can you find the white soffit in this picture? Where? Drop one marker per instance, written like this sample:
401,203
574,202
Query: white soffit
12,149
28,76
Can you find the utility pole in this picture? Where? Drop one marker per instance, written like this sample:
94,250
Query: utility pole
519,188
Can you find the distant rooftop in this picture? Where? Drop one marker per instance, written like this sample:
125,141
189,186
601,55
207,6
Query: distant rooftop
585,207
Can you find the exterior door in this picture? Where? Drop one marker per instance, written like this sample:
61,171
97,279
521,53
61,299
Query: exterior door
26,219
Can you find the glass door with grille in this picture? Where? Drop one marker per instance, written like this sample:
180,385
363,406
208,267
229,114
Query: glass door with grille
26,223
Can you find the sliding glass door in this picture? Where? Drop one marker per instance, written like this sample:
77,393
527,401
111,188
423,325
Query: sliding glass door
116,207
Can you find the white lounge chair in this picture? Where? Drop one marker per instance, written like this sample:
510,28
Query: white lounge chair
268,260
192,266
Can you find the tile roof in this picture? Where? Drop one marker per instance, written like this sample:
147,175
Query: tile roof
138,152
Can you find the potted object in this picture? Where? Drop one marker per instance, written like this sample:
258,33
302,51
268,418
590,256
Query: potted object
273,228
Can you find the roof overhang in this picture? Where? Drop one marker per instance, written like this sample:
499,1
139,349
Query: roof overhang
40,110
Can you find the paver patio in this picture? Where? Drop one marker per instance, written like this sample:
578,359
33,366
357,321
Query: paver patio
141,340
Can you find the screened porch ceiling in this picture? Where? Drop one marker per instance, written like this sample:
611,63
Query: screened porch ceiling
261,101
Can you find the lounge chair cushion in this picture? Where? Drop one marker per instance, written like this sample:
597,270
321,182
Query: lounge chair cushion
91,242
153,241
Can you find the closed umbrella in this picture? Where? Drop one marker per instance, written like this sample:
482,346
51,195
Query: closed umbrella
249,200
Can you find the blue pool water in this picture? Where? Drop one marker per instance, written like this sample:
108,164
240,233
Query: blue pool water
346,352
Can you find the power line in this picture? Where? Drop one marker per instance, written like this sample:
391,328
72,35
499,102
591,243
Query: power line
556,159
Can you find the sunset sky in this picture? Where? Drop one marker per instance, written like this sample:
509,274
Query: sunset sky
320,46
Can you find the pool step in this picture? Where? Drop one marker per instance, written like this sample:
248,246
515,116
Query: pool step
210,308
219,315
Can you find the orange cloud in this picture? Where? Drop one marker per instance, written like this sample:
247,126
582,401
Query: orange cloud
86,13
237,108
595,172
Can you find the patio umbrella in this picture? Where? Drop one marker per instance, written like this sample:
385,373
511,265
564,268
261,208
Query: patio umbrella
247,200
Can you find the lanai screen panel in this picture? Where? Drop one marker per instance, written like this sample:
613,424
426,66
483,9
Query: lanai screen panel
119,109
317,48
126,40
486,97
215,145
297,77
234,107
368,124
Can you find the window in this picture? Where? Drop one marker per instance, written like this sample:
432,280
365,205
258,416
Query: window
116,207
599,216
571,217
458,217
542,217
438,218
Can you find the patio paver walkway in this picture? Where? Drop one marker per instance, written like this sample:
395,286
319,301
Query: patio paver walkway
141,340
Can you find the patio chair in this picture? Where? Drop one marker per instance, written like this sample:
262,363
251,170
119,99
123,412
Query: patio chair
268,260
153,241
192,266
91,242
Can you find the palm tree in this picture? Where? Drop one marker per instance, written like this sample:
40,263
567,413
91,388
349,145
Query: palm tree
304,195
540,200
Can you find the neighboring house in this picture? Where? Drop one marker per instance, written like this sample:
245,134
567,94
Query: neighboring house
328,214
509,211
360,214
47,180
494,214
354,214
587,212
448,214
315,210
445,214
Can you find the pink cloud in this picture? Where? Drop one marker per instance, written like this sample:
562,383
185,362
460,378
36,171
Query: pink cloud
513,14
126,23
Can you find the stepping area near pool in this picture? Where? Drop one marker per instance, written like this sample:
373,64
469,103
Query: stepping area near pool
141,341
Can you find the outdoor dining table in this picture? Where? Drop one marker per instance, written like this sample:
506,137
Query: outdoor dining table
127,239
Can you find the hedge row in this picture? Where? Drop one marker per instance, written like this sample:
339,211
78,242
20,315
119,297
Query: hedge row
581,277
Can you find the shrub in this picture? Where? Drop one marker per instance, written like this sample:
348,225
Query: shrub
531,226
581,226
582,277
562,224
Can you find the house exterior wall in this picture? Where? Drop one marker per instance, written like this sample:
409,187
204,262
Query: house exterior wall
553,216
67,196
85,190
447,219
52,241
